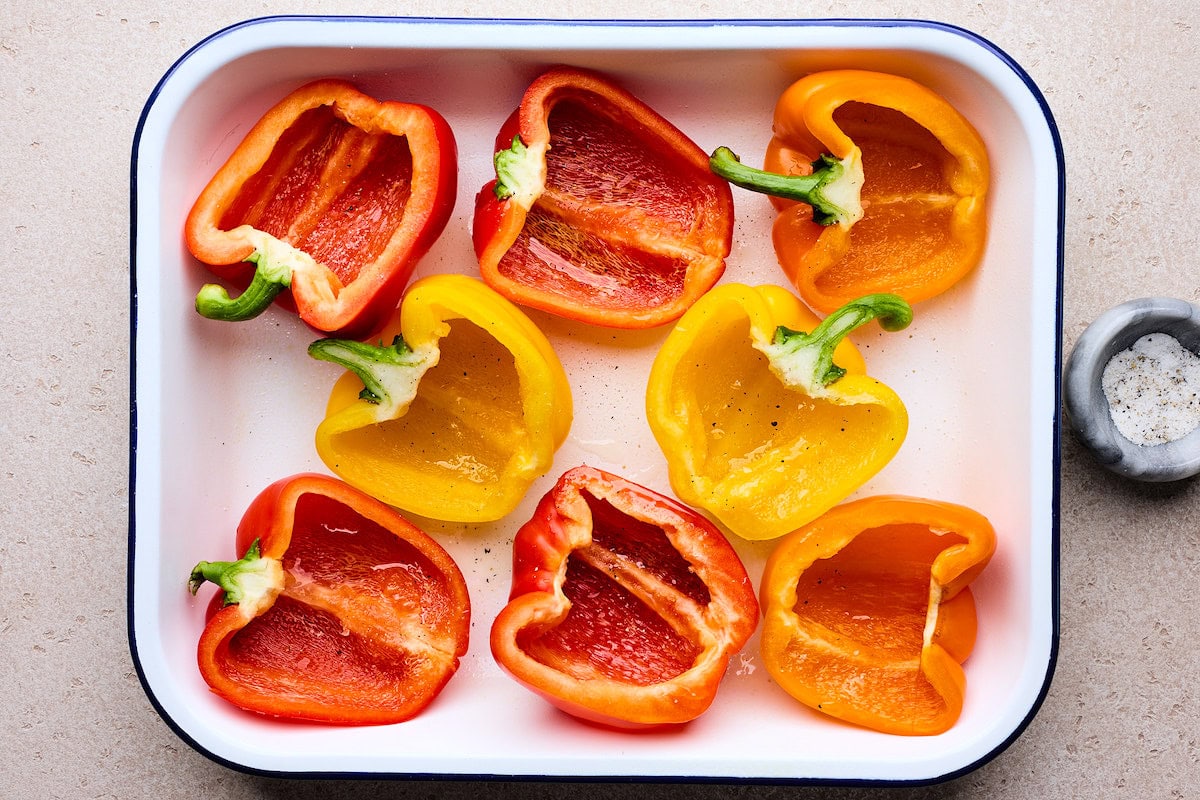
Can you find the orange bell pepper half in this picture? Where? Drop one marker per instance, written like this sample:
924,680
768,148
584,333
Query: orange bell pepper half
340,611
880,183
326,206
602,211
868,615
626,606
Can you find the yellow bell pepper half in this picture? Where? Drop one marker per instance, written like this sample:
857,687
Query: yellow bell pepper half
759,425
458,415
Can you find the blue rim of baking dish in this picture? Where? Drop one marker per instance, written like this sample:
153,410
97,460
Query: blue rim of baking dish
1055,136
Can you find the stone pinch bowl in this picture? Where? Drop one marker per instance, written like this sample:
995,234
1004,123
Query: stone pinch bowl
1087,406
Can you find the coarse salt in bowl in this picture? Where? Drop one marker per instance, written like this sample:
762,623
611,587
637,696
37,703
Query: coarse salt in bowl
1132,389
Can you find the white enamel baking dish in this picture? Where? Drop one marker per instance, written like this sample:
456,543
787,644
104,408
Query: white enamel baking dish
222,410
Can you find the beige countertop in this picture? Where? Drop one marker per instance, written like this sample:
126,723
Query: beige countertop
1124,87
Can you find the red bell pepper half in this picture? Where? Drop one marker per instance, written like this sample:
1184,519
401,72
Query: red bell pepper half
341,611
602,211
626,606
333,195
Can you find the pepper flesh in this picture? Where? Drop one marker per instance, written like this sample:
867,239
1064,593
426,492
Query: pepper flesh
626,606
602,210
458,415
326,206
867,613
340,612
763,428
925,170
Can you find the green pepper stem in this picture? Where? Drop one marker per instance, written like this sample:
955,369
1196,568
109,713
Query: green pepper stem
520,173
510,165
251,580
833,189
389,372
214,302
806,359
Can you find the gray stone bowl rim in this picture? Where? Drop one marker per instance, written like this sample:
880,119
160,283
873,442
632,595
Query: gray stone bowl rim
1085,403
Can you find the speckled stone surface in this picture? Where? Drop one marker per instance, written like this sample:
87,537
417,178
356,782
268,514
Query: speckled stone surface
1085,403
1119,720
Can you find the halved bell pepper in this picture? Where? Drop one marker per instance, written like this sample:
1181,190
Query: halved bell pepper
868,615
602,211
333,196
340,610
457,415
759,426
881,186
626,606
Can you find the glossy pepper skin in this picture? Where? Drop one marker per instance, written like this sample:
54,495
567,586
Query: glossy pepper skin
326,205
626,606
341,611
766,428
457,414
868,615
602,210
915,223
